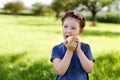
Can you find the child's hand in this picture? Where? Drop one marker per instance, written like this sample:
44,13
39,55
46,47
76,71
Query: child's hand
78,43
71,43
68,40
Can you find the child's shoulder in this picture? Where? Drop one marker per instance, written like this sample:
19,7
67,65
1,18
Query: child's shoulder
84,44
60,45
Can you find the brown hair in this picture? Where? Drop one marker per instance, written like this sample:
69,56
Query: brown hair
75,15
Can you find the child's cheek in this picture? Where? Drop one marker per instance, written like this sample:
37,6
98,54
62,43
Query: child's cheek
63,30
75,35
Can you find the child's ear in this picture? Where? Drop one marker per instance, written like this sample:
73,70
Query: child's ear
81,30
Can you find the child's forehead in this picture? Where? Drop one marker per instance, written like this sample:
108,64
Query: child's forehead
71,22
72,19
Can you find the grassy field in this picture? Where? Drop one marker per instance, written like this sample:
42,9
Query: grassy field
26,43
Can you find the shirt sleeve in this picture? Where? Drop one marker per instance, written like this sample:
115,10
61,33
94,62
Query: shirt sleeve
55,53
88,53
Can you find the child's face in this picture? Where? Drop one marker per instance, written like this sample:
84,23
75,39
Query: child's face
71,27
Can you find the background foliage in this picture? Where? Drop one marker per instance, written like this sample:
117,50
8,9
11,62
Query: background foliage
26,43
59,6
14,7
106,17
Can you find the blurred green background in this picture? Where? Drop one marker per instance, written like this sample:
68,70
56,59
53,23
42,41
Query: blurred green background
27,37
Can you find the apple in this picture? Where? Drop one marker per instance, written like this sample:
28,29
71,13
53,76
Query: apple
68,40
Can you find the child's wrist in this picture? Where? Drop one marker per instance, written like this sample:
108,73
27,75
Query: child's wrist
70,50
79,50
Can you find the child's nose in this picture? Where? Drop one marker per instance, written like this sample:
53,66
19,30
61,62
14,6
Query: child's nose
68,30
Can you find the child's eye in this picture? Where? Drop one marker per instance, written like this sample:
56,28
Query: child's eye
65,26
73,28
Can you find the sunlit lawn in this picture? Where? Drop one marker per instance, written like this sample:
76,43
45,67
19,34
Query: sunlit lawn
26,43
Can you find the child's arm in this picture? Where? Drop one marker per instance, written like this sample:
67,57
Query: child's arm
61,66
86,63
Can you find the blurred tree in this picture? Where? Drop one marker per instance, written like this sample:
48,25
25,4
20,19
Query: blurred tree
94,6
40,9
114,7
56,6
14,7
37,8
63,5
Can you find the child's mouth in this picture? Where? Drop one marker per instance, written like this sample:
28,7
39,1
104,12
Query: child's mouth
67,36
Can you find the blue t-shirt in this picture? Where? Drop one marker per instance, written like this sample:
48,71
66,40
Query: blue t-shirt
75,70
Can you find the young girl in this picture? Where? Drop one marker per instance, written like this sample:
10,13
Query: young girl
72,60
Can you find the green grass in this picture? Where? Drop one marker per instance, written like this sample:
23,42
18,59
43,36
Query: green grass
26,43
